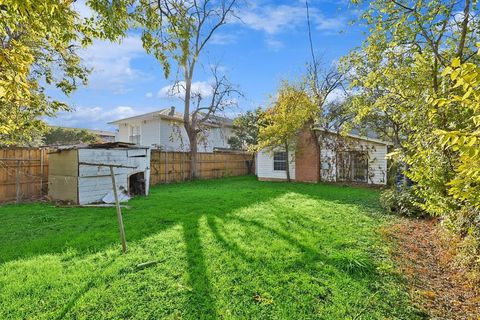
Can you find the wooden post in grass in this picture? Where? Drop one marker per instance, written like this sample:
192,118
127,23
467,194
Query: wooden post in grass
115,194
119,212
17,182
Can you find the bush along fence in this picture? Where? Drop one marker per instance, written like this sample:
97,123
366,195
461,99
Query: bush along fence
24,171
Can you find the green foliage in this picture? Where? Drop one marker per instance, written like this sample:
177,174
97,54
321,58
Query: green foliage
398,73
464,139
403,202
245,130
68,136
417,79
291,110
233,248
39,42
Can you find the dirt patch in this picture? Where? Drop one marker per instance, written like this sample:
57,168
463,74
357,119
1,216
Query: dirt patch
427,261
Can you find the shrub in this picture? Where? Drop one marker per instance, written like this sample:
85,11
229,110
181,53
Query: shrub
402,202
464,225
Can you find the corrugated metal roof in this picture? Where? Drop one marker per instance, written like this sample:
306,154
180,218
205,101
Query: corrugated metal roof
106,145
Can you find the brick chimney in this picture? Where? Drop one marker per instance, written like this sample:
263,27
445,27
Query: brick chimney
307,157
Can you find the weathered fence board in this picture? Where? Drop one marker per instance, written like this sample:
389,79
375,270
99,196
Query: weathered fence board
24,171
169,167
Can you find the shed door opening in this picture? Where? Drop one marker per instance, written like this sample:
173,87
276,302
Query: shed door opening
352,166
136,184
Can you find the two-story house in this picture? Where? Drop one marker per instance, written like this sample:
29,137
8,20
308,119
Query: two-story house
164,129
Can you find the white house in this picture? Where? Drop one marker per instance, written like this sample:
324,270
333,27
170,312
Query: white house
164,129
336,158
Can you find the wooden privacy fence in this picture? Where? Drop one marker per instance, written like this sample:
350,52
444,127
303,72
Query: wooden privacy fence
23,174
24,171
175,166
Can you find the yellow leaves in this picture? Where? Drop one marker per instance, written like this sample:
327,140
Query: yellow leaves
41,35
456,62
288,114
472,141
467,94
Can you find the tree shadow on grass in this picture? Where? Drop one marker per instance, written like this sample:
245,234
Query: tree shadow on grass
91,230
201,303
36,229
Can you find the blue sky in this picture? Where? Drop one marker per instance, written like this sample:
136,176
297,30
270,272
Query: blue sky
268,45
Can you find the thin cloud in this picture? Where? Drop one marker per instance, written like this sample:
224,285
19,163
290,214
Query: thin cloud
92,117
273,19
223,39
111,64
274,44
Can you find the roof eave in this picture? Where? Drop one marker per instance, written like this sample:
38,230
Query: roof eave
354,136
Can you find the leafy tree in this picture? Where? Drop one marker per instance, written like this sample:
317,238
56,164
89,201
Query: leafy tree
415,80
464,141
177,31
68,136
292,110
398,68
37,49
245,130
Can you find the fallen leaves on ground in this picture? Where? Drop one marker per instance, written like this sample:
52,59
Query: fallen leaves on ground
427,261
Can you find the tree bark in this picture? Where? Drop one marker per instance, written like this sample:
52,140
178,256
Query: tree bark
190,126
288,164
463,33
192,138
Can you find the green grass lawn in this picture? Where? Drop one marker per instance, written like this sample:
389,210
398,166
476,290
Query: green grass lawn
227,249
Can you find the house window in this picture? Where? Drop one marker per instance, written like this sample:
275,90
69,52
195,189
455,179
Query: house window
352,166
134,136
280,161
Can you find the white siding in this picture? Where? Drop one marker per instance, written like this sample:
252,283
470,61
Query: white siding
328,165
377,164
264,167
150,132
123,132
95,182
173,136
377,161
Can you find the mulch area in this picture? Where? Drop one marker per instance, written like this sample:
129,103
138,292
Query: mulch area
436,285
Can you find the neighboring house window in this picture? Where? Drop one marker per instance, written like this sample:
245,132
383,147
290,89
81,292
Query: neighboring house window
352,166
134,135
280,161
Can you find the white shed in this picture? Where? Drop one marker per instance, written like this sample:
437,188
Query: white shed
336,158
73,176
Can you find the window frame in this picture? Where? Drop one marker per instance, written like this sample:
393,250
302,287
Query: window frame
349,164
282,162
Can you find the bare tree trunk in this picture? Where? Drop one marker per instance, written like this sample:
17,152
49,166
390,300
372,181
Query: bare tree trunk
288,164
190,126
192,138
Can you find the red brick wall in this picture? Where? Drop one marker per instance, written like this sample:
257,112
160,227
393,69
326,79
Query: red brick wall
307,157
